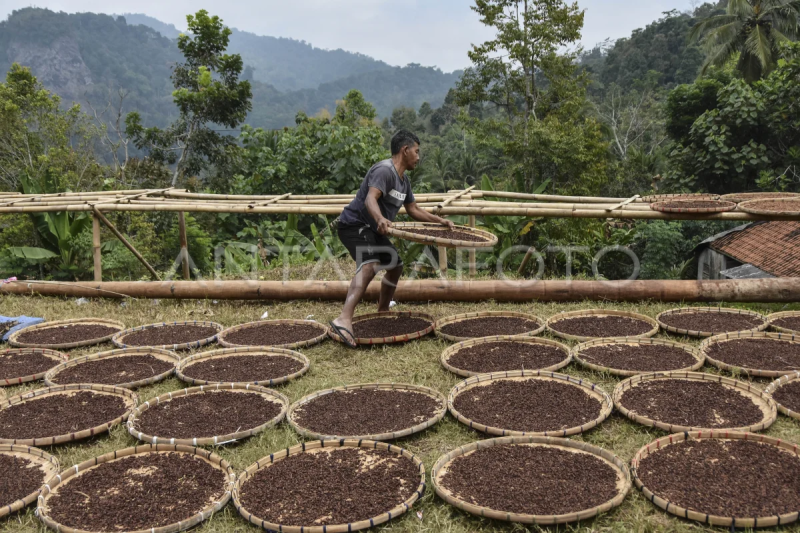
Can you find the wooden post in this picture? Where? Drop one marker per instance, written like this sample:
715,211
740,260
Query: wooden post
443,261
96,253
184,245
473,268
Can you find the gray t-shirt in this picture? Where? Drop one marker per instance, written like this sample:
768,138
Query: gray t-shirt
396,193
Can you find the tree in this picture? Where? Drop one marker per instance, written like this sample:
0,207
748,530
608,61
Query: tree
207,91
425,110
41,141
404,118
354,110
753,29
536,96
749,139
633,118
315,157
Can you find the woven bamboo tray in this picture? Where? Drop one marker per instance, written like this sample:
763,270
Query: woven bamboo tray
390,340
701,334
268,394
599,312
311,447
443,463
180,371
52,375
764,401
712,520
747,196
684,206
680,196
777,384
607,405
771,319
375,386
789,207
323,334
57,358
129,397
53,485
47,463
397,230
576,354
727,337
12,339
467,316
119,338
454,349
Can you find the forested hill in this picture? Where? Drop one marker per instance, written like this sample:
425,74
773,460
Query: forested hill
286,64
83,56
661,47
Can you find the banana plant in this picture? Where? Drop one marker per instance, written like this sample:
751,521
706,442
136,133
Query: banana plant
57,231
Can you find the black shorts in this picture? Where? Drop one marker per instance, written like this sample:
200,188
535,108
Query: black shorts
366,246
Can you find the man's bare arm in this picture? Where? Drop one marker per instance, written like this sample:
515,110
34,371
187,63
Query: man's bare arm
374,210
421,215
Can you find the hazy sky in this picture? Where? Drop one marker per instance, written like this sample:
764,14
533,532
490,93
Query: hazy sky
430,32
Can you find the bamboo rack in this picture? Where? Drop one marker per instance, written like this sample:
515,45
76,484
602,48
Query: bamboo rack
470,202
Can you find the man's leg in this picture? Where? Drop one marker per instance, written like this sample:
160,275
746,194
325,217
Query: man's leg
388,286
356,291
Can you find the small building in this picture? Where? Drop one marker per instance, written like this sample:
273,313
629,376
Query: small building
751,251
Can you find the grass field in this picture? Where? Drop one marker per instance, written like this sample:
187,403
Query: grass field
333,365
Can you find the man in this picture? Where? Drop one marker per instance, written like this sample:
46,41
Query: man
365,223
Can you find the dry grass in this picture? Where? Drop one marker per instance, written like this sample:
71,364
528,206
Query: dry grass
332,365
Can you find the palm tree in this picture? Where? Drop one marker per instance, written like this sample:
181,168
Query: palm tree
754,29
437,169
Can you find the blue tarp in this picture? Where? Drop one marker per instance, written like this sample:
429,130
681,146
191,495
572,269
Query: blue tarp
24,322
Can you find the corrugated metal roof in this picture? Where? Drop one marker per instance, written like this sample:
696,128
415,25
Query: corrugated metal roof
747,271
774,247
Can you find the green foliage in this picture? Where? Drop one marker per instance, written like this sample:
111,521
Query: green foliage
688,102
749,140
202,99
753,30
200,245
664,249
40,141
660,47
354,110
535,97
315,157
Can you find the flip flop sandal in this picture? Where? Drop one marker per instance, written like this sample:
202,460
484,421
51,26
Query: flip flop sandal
338,331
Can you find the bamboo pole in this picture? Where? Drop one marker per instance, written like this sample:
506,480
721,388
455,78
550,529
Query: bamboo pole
273,200
135,196
96,251
447,211
129,246
775,290
443,261
453,198
526,260
546,197
184,245
473,267
626,202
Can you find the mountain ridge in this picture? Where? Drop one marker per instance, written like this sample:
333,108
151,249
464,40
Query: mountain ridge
84,57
